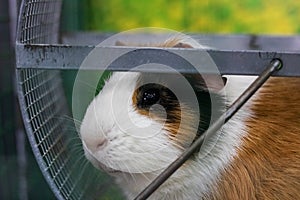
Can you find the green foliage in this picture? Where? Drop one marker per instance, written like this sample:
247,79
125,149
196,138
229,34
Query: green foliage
208,16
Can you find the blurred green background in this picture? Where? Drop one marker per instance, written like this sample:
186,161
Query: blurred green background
206,16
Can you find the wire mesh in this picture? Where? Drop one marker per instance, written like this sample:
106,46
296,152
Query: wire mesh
51,132
39,21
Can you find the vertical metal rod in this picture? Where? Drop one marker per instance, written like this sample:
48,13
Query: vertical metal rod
273,66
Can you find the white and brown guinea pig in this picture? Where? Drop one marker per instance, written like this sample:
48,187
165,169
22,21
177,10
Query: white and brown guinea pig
255,156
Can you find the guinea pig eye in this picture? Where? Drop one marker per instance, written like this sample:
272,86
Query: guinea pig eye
149,95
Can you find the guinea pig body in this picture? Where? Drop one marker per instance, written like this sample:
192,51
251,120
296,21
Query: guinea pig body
133,130
267,161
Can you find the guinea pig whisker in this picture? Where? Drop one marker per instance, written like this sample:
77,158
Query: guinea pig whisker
87,84
77,122
83,160
129,172
177,146
70,126
123,165
146,177
78,147
68,118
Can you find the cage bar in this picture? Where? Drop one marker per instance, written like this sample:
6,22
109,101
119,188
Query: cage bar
233,54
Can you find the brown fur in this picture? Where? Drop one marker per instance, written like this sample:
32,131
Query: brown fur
180,131
268,162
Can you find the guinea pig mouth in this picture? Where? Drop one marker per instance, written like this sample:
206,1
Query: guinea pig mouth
96,163
99,165
107,169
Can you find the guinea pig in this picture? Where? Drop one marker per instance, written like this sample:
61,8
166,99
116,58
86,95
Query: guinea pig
136,126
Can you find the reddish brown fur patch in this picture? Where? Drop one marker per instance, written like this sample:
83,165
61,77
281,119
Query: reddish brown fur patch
179,131
268,162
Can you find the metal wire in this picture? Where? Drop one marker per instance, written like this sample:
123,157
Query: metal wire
51,133
39,22
275,65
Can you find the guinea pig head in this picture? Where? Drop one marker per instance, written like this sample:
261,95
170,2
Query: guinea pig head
141,122
134,127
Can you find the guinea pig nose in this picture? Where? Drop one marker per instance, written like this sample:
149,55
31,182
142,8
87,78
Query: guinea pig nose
101,143
96,144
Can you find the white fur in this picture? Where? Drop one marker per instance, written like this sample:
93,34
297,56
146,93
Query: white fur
132,147
135,155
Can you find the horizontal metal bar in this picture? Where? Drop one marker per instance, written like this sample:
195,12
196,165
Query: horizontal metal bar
231,62
273,66
233,54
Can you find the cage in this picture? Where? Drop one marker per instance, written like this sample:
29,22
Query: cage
42,53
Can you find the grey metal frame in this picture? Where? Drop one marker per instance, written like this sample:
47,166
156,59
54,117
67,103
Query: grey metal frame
40,57
233,54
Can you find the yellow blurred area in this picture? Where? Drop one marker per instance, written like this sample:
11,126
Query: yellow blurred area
206,16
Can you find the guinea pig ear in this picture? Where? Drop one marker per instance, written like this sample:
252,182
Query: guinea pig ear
175,43
119,43
210,82
182,45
